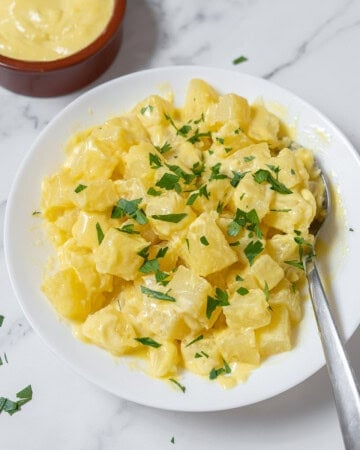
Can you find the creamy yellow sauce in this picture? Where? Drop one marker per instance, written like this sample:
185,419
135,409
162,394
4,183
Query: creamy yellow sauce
46,30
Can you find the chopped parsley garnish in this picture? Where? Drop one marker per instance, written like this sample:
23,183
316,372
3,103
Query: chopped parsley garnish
215,173
165,148
80,187
157,294
144,253
184,130
149,266
204,241
129,208
266,292
35,213
214,373
129,229
292,171
243,219
160,277
301,242
195,340
148,341
249,158
152,191
172,440
180,386
220,207
351,229
100,233
174,218
242,291
198,169
154,161
1,320
275,169
187,243
238,176
220,140
11,407
280,210
201,119
201,192
221,299
169,181
252,250
146,108
187,177
201,354
239,278
196,136
262,175
239,60
294,263
228,149
234,244
162,252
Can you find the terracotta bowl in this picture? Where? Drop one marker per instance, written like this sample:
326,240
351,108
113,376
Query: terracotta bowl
51,78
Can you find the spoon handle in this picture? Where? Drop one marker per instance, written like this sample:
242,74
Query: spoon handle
344,385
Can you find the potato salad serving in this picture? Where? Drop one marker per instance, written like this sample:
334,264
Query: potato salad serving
180,234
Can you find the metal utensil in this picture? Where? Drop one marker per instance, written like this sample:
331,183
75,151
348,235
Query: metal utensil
344,384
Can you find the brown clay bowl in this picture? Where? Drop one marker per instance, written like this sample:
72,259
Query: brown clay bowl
52,78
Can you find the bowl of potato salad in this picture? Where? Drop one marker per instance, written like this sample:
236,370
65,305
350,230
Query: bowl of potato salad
160,249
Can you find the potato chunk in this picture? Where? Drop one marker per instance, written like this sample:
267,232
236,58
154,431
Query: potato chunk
205,258
238,345
275,337
266,270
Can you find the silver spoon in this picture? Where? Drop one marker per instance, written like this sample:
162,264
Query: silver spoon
344,384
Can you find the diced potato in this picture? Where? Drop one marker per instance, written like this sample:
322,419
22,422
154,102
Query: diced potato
202,356
152,110
203,258
191,292
275,337
264,126
199,97
230,107
249,310
163,360
118,254
300,211
84,229
110,329
282,247
69,296
137,164
249,158
98,196
131,189
168,203
238,345
287,295
292,170
229,139
66,221
56,194
266,270
219,193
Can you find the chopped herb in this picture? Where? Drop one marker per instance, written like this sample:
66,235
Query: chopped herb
297,264
252,250
239,278
198,169
238,176
79,188
195,340
174,218
292,171
226,367
220,140
1,320
201,119
234,244
162,252
187,177
129,229
100,233
149,266
228,149
148,341
12,407
35,213
261,175
187,243
233,229
5,357
351,229
172,440
215,173
154,161
165,148
293,287
249,158
129,208
146,108
238,131
184,130
156,294
243,219
205,354
180,386
242,196
196,137
201,192
297,232
239,60
211,152
275,169
198,355
266,292
152,191
204,241
144,252
220,207
214,373
242,291
169,181
221,299
161,277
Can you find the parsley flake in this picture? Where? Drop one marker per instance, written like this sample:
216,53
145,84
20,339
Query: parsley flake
154,161
240,60
221,299
148,342
242,291
146,108
1,320
204,241
249,158
129,229
149,266
174,218
100,233
180,386
199,338
80,187
156,294
262,175
166,147
169,181
252,250
153,192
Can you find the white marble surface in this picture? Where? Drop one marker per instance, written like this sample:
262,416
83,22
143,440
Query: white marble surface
309,47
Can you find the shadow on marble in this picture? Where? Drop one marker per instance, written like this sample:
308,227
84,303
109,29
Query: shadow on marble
139,41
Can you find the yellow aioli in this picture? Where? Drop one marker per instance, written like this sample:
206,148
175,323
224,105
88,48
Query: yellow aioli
46,30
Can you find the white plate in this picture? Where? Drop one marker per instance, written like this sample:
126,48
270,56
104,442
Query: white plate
26,257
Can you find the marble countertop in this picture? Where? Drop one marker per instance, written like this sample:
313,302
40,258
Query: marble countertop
308,47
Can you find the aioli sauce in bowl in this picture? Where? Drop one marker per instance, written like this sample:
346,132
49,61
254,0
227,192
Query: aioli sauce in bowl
43,30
